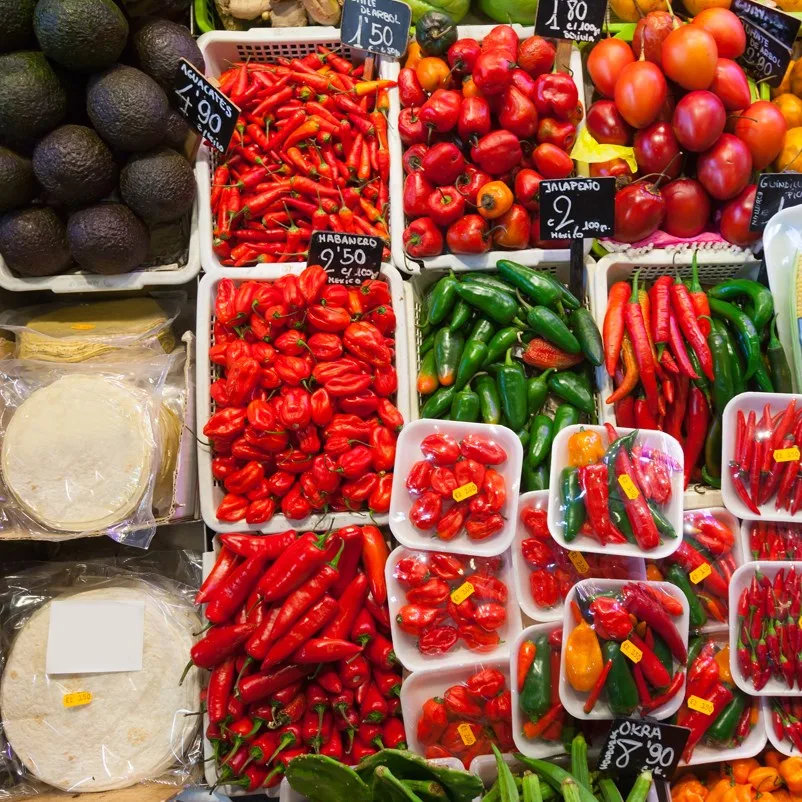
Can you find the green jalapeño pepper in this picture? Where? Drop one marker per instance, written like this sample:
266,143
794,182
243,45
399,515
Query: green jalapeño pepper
537,389
511,381
778,362
723,389
584,327
549,326
497,305
567,298
447,352
573,388
489,402
460,315
465,406
482,330
541,433
438,403
473,355
565,415
442,298
498,345
536,286
745,329
536,694
572,505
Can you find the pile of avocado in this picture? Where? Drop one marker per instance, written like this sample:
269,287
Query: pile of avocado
90,147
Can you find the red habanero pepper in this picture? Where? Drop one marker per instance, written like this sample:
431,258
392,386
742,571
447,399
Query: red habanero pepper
379,499
225,423
232,508
636,328
309,624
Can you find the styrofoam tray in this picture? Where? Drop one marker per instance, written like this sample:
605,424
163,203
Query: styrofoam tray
746,402
649,438
528,256
783,746
82,281
618,267
539,499
404,645
741,580
211,492
572,700
422,685
408,453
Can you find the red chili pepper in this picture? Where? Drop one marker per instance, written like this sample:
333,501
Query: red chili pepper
223,567
310,622
295,565
325,650
350,603
639,336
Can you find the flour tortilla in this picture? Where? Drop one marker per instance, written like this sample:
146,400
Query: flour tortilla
77,454
134,728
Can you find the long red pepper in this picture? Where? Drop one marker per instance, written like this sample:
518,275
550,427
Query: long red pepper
262,685
677,345
614,324
224,565
350,603
374,557
636,328
682,304
310,623
235,589
698,418
295,566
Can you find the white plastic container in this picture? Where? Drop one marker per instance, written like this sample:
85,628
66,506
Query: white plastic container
618,267
531,257
405,646
648,438
783,746
741,580
420,686
408,453
746,403
211,491
572,700
539,499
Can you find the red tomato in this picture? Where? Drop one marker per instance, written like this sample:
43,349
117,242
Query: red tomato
689,57
615,168
605,63
762,127
657,150
640,93
650,33
551,162
687,208
725,28
536,55
735,217
699,120
731,85
639,211
724,169
606,125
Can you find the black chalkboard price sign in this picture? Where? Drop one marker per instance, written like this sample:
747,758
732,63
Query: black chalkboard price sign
770,35
378,26
347,258
775,191
633,745
578,20
205,107
574,208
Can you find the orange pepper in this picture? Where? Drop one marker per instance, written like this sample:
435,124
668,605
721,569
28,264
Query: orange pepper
773,759
764,779
470,89
493,199
741,769
722,658
718,790
583,658
780,795
584,447
433,73
414,55
791,771
738,793
688,789
653,573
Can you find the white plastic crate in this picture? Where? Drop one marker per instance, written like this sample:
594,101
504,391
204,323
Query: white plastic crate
617,267
528,256
211,491
82,281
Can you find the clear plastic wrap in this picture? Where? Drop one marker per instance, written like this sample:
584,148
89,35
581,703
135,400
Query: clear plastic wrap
785,726
138,725
772,540
81,447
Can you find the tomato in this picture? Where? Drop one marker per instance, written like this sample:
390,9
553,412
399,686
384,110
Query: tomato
699,120
687,208
689,57
639,211
536,55
640,93
605,63
762,127
657,150
731,85
606,125
724,169
513,228
650,33
725,28
615,168
735,217
551,162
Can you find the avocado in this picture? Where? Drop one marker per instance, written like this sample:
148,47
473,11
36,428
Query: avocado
159,186
17,181
32,100
33,241
127,108
74,165
159,45
107,238
175,131
81,35
16,32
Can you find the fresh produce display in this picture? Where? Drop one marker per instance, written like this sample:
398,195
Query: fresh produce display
513,347
298,651
775,541
616,493
634,666
701,567
678,353
667,100
769,635
468,719
482,123
279,445
786,721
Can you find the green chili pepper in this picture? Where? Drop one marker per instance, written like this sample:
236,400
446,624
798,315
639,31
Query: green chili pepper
663,653
722,730
523,436
713,449
549,326
473,355
448,347
537,389
622,693
778,362
489,402
617,510
489,280
745,329
663,525
426,344
465,406
695,645
567,298
511,381
442,298
677,576
437,404
537,286
565,415
542,476
762,379
460,315
761,308
540,437
572,387
737,364
529,479
535,698
572,505
709,479
500,342
497,305
723,385
584,327
703,383
482,330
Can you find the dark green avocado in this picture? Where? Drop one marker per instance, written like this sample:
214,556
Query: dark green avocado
107,238
33,241
17,181
16,29
159,186
160,45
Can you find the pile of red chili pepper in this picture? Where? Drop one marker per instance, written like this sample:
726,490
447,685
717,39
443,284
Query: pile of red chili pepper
775,541
701,567
451,599
553,569
457,487
765,462
303,419
309,153
770,638
467,718
299,652
786,718
716,711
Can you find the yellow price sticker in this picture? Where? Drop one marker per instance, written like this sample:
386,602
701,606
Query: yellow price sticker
466,491
465,590
579,562
701,705
466,733
787,454
629,649
76,699
628,486
701,573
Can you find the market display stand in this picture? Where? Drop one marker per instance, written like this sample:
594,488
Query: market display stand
139,793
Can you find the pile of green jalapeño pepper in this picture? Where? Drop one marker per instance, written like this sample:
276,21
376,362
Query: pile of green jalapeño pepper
513,347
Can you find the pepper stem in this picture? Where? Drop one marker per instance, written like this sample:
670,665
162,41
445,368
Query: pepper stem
633,299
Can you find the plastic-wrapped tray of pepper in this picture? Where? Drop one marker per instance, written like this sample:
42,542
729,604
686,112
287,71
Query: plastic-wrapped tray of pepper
677,353
785,726
624,649
703,565
771,540
513,347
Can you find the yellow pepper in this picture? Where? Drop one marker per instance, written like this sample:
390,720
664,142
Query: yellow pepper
738,793
688,789
716,793
791,771
722,658
741,769
773,759
584,448
764,779
583,658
